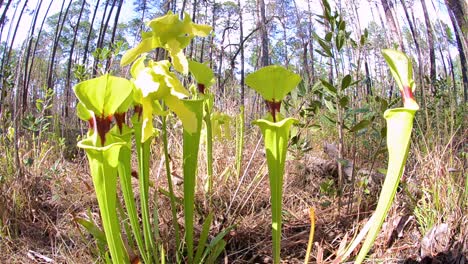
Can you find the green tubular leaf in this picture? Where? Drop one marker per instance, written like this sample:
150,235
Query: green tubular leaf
273,82
402,71
103,162
93,229
209,145
399,126
202,73
171,194
103,95
276,136
191,141
143,154
400,67
124,170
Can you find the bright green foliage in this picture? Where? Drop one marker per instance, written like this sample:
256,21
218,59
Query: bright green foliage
190,153
273,82
155,82
399,127
170,33
276,136
153,88
103,163
400,67
103,95
202,73
402,71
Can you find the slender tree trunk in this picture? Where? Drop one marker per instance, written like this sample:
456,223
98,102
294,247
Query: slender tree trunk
265,58
38,39
202,49
391,23
28,56
9,55
311,44
213,24
461,49
194,14
58,32
418,51
430,40
5,66
114,30
85,54
70,58
102,31
459,9
2,18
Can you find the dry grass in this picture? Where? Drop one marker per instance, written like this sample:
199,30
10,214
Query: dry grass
39,208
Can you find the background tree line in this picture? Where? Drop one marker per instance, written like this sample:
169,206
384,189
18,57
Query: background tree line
85,38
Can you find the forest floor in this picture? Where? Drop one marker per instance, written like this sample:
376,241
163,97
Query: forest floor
38,210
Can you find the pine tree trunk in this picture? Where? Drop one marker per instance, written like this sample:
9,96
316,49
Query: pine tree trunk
392,24
265,58
85,54
430,40
462,46
70,58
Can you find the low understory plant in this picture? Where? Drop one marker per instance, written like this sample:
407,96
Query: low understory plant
273,83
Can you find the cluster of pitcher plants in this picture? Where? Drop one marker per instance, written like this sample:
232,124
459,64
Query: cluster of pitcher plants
155,90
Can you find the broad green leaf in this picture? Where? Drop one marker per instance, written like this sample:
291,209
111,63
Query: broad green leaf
147,44
340,40
328,87
325,46
360,126
330,106
344,101
103,95
202,73
186,115
273,82
345,82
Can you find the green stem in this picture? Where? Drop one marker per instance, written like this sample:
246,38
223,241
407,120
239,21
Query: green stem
143,152
124,170
209,150
170,186
239,141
